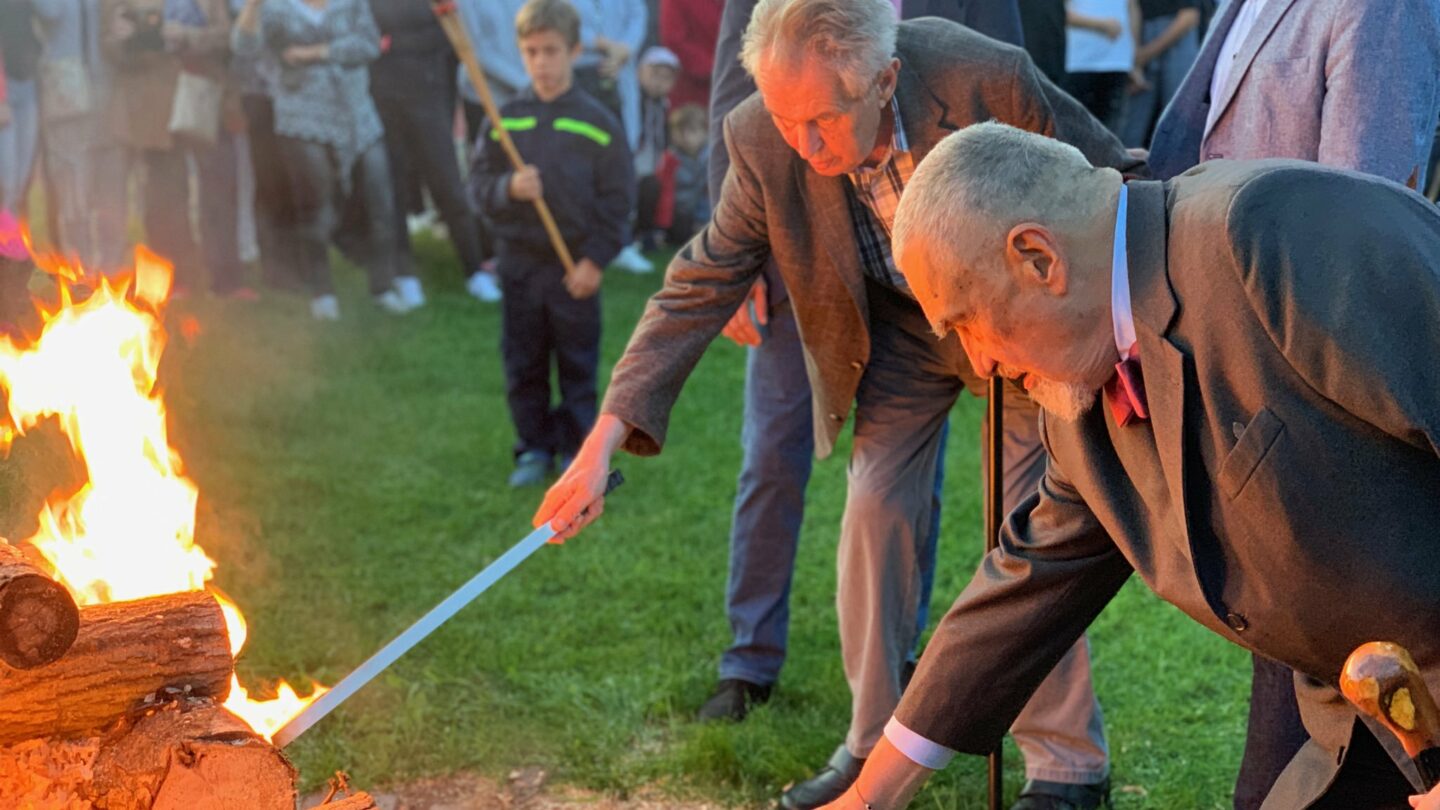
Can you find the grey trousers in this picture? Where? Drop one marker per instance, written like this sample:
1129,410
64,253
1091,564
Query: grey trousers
909,386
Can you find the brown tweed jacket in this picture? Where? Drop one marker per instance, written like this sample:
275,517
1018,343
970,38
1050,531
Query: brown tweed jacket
772,203
1283,491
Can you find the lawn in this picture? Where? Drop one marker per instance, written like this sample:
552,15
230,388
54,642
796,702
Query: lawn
353,474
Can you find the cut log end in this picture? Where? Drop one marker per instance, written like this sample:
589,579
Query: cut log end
38,617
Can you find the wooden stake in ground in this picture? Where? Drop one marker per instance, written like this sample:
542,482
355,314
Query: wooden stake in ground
460,40
124,654
38,617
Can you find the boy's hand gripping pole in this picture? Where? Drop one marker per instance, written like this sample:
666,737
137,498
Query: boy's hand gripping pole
459,38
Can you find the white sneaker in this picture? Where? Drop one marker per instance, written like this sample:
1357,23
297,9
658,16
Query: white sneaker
482,285
391,302
410,291
631,260
325,308
422,222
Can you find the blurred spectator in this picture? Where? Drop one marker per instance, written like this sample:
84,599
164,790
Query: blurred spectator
491,24
20,120
684,204
659,68
612,33
1043,22
414,86
171,71
331,137
273,210
690,29
1099,55
1169,41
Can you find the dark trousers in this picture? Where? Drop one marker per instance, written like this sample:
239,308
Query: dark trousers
1103,94
167,212
422,150
320,197
542,321
1273,733
274,201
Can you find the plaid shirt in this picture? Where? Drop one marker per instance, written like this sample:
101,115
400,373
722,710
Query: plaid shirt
874,194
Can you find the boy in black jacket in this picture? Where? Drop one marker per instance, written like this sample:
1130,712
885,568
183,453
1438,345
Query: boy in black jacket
578,160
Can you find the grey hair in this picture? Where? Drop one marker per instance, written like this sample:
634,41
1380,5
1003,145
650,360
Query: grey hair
983,180
856,37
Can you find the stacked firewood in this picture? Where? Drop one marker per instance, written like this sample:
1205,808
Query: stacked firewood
118,707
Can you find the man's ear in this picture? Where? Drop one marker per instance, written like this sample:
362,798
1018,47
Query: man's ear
889,77
1034,258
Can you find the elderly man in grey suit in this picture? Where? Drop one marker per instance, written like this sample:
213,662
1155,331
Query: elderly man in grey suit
849,102
1353,84
1240,405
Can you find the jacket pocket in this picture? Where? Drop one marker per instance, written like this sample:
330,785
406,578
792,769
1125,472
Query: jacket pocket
1251,449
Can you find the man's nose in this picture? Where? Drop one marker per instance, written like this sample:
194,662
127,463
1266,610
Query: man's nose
982,363
809,141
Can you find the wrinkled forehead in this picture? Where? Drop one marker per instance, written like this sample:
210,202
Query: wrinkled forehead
800,85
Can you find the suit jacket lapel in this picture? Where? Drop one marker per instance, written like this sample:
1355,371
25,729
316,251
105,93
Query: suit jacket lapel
825,202
1264,26
1153,304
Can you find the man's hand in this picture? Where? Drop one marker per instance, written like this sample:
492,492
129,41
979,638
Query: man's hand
1110,28
1138,82
1430,801
525,184
584,282
301,55
741,328
888,782
614,55
579,496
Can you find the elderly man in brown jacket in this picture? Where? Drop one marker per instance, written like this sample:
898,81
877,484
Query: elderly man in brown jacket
1241,407
849,102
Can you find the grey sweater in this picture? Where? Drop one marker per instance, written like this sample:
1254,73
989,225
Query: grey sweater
328,102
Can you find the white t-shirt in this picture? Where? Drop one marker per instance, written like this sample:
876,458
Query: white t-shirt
1090,52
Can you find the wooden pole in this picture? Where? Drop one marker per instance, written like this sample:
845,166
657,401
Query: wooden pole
460,40
994,516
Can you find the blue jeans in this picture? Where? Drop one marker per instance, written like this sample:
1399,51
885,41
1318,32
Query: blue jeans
1165,73
778,442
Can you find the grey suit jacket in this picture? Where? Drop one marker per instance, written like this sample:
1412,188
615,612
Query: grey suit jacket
1284,491
1347,83
772,203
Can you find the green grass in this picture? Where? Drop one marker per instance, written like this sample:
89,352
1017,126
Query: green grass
353,474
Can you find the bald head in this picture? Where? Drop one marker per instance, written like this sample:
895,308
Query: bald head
1005,238
980,182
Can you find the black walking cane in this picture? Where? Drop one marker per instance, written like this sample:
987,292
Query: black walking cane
994,514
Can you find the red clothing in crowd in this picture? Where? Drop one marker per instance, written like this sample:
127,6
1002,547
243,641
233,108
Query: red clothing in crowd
690,28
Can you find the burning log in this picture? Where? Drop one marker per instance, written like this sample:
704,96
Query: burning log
125,655
38,617
190,754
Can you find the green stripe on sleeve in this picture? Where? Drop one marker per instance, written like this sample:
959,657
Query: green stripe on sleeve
513,125
583,129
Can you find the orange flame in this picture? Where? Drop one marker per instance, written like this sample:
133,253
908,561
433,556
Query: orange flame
128,532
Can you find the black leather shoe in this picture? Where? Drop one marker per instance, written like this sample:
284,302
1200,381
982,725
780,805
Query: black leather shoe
826,786
1040,795
732,700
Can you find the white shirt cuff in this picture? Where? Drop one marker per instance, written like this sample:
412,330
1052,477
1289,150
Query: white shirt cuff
919,750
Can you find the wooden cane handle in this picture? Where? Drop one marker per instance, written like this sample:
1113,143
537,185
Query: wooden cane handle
1382,680
454,28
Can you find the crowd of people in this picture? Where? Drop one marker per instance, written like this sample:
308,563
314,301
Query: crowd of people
797,137
248,137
